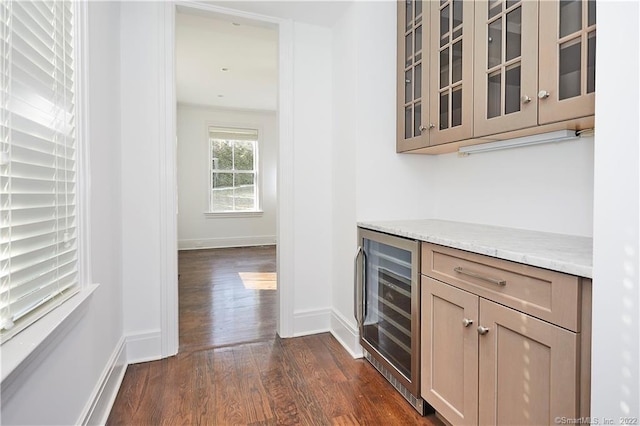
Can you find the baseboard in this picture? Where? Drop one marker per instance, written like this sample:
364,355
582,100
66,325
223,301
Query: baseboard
312,321
103,396
143,347
346,334
205,243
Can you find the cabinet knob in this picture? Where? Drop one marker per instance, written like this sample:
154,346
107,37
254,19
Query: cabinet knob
422,128
526,99
482,330
467,322
543,94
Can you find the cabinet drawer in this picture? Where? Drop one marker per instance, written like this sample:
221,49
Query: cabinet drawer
548,295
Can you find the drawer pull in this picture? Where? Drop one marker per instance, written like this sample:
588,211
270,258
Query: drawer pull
467,322
478,276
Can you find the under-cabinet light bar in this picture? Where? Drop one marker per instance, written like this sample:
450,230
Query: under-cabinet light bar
558,136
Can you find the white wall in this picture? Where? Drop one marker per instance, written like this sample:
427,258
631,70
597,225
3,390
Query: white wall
141,144
59,385
544,188
312,178
195,230
371,182
616,263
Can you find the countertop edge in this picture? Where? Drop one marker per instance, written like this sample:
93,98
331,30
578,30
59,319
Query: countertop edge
546,262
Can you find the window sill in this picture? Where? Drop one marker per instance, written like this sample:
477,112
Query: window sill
29,344
220,215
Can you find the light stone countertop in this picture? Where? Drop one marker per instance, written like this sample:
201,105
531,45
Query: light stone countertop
563,253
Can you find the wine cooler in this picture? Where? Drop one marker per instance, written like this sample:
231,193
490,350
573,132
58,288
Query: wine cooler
387,309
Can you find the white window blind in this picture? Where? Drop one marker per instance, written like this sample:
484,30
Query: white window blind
38,236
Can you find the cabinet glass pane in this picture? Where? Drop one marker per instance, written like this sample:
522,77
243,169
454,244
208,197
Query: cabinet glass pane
417,85
512,90
444,68
495,43
456,63
514,33
456,107
591,62
444,26
408,49
570,17
418,43
418,7
444,110
591,12
407,87
493,94
407,122
408,13
417,119
569,78
457,19
495,7
512,2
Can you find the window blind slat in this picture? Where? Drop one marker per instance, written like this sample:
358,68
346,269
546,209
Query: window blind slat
41,277
24,216
27,57
36,186
35,280
44,254
36,297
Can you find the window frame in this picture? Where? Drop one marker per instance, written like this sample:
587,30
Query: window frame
36,338
257,166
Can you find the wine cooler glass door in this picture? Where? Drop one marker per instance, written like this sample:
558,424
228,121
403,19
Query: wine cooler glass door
388,313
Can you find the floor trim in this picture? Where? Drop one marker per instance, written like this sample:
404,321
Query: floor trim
104,395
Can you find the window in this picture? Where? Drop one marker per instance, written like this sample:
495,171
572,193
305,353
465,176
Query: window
234,170
38,161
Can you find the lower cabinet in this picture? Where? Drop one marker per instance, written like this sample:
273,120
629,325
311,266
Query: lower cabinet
490,364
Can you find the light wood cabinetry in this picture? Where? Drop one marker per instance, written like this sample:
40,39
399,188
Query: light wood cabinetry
502,342
451,71
435,73
413,75
567,77
491,70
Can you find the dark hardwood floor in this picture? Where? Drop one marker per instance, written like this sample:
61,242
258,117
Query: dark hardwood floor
232,369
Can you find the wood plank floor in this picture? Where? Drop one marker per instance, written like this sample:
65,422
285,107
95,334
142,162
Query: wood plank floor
232,368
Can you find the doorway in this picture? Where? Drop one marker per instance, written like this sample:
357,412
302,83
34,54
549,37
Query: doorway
226,92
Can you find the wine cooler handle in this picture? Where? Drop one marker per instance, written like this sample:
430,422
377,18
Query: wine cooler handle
364,285
356,284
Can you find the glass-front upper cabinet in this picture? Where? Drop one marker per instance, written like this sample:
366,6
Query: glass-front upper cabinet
413,63
506,66
567,75
451,77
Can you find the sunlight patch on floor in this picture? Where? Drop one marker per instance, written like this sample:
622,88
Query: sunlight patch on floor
259,280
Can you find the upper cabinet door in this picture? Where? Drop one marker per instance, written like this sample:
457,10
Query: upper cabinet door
506,66
413,64
451,76
567,60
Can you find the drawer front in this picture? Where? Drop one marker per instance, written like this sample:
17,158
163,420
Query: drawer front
548,295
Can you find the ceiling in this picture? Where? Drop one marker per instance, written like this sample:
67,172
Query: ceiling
225,62
248,50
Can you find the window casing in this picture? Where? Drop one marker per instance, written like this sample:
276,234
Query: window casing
233,170
38,161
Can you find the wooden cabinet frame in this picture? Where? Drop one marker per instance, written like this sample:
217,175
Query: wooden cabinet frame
484,360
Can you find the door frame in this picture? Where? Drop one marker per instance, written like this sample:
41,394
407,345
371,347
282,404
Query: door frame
168,166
